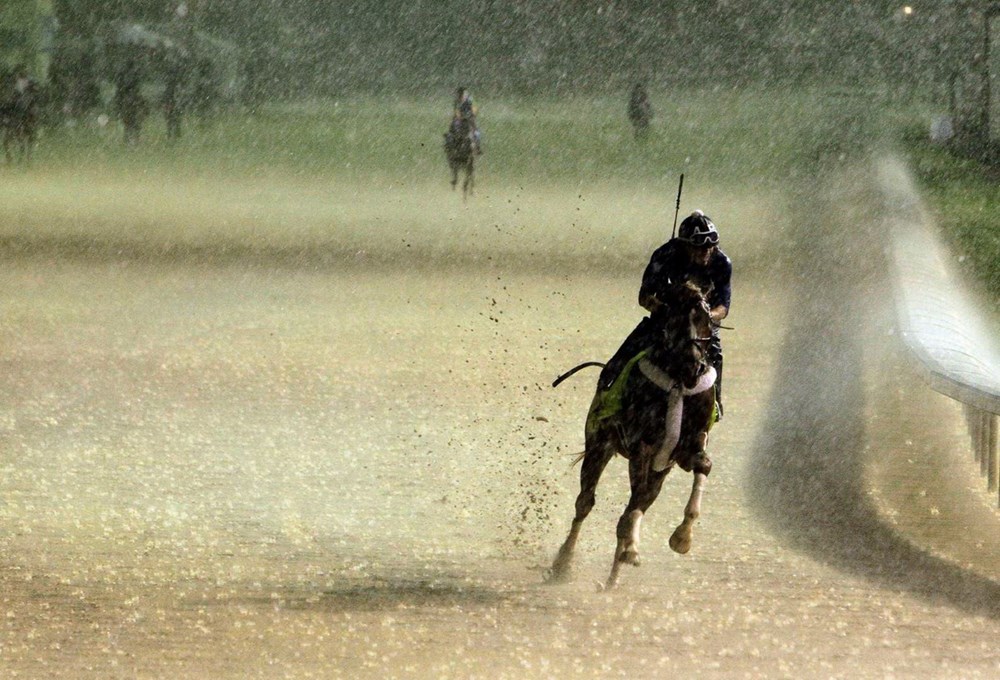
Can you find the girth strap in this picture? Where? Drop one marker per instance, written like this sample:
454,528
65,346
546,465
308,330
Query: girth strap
675,406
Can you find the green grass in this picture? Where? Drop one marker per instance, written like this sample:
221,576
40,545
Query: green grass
560,178
964,196
735,137
556,173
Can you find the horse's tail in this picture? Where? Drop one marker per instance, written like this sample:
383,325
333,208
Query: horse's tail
573,370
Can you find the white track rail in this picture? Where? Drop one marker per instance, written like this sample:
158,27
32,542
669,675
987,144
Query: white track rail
953,343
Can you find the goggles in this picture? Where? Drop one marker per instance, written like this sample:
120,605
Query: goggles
706,240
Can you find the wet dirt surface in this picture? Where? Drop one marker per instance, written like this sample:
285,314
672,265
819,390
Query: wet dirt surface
230,473
251,471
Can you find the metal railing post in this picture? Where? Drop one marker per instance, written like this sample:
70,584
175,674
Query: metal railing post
973,418
983,432
993,478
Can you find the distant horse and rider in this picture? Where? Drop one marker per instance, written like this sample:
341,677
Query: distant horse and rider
657,414
459,149
462,141
19,115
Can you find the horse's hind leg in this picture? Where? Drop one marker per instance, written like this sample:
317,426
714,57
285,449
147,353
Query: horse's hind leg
595,459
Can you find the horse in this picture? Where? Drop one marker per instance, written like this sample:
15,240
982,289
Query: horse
19,116
460,152
657,415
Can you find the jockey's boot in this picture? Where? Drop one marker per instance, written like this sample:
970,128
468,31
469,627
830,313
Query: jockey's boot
717,365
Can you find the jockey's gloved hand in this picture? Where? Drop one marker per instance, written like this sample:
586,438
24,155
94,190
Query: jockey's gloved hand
653,303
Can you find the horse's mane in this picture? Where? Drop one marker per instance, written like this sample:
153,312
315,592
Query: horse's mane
680,355
687,294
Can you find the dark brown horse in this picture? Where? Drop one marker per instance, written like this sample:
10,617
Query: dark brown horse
459,149
19,118
657,415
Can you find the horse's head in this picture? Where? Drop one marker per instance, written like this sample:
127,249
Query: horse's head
687,330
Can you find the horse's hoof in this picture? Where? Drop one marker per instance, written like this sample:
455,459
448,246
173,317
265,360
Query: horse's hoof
680,544
630,557
556,576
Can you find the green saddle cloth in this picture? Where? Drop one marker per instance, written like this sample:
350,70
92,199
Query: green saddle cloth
608,403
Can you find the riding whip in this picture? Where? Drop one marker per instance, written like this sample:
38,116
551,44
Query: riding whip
678,208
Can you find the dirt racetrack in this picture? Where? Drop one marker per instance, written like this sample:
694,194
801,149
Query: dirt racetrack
255,469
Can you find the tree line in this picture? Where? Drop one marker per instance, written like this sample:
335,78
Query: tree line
301,46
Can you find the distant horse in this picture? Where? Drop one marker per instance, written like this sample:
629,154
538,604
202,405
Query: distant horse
19,116
460,152
657,415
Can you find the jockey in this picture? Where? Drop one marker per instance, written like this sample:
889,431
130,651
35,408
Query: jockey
465,109
693,256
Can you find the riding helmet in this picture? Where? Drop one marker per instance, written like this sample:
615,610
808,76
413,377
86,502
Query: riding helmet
698,230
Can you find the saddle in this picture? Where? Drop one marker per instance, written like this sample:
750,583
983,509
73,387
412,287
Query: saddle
608,403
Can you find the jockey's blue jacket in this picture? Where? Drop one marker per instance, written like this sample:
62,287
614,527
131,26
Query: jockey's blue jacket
670,264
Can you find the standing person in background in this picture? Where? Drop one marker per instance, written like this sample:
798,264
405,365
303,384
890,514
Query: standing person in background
129,103
640,110
172,97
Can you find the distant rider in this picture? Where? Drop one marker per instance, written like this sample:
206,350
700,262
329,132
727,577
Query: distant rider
693,256
129,102
465,110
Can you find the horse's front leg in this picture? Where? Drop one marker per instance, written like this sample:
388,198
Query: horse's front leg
646,485
469,178
627,550
680,540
